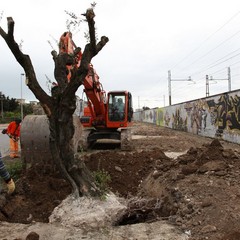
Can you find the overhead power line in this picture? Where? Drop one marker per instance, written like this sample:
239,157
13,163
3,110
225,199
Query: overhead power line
211,35
210,51
222,70
229,54
214,65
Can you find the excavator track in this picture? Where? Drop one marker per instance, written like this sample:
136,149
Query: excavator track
126,139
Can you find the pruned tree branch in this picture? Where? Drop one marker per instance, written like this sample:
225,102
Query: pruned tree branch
91,25
26,63
90,51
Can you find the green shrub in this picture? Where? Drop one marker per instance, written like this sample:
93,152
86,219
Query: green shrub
102,179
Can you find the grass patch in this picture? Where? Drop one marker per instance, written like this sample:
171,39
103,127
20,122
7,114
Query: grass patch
15,169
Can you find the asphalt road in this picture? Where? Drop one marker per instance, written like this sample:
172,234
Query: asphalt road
4,141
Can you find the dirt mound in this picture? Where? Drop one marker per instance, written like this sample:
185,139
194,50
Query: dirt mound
201,188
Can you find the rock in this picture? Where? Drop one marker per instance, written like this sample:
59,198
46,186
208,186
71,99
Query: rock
186,170
32,236
156,174
206,203
208,229
88,213
118,169
221,173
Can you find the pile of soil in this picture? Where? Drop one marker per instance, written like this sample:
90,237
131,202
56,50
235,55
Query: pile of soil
198,191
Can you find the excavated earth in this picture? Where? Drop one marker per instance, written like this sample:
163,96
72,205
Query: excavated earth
169,177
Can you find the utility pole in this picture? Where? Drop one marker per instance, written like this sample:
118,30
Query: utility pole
169,85
219,79
229,79
207,86
169,88
21,103
1,98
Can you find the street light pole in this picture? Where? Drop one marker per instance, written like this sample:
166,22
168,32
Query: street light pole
21,103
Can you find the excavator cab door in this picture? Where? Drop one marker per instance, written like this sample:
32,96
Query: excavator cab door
116,107
119,109
129,108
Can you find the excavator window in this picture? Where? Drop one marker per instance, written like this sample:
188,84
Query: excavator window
116,107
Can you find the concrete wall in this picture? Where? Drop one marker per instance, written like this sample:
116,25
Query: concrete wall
215,116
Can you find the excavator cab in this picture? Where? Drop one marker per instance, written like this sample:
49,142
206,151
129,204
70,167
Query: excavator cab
119,109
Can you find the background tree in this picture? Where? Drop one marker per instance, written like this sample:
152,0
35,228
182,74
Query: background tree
9,104
27,109
60,107
145,108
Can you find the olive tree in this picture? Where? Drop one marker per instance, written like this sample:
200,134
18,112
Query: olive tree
60,106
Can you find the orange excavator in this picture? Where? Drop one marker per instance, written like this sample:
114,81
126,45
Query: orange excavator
106,116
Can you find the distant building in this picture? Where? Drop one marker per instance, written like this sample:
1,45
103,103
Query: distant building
21,100
33,102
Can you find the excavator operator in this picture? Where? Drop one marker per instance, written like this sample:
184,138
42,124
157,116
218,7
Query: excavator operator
120,108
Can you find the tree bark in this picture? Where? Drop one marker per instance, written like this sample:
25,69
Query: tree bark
61,105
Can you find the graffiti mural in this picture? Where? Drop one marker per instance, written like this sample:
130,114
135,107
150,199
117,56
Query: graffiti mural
167,119
159,116
225,113
216,117
178,122
197,113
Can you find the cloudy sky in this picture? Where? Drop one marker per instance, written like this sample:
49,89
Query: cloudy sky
191,38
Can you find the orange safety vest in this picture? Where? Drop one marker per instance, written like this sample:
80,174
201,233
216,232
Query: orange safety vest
14,129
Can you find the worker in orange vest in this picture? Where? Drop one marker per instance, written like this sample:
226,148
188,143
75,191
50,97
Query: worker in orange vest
13,131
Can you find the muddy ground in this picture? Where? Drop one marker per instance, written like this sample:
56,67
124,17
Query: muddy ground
185,180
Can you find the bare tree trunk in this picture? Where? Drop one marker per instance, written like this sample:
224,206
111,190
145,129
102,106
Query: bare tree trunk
61,105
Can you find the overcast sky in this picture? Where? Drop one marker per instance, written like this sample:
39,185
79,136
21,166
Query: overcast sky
147,39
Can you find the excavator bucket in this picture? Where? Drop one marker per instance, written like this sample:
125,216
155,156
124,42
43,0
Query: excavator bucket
34,138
